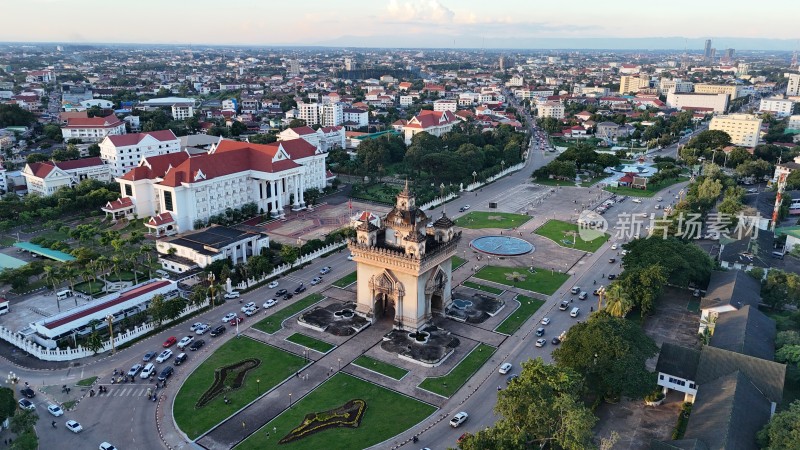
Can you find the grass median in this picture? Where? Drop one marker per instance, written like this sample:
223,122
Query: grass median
540,280
527,307
479,219
566,234
381,367
456,262
449,384
310,342
274,322
346,280
480,287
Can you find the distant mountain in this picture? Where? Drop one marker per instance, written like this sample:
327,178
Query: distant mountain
651,43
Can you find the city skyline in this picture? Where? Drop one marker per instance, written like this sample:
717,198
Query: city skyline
410,23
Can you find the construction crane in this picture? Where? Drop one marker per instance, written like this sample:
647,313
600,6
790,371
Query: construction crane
778,198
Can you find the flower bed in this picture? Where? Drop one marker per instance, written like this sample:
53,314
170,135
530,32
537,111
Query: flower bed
346,416
228,377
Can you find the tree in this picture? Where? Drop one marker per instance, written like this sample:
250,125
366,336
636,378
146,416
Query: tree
52,132
683,262
618,302
263,138
36,157
710,140
157,309
173,308
610,353
781,288
94,150
7,404
783,430
13,115
93,343
542,408
23,421
311,195
373,154
289,254
297,123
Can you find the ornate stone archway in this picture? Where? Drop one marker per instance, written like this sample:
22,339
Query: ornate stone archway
435,296
387,293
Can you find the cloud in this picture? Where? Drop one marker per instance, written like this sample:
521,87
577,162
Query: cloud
430,11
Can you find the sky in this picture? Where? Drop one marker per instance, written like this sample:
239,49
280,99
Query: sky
407,23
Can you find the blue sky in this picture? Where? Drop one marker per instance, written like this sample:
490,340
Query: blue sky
460,23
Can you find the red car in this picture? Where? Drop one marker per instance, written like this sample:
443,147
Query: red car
170,342
236,320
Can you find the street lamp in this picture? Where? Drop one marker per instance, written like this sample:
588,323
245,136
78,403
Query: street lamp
340,363
503,164
474,177
110,320
13,379
290,399
211,279
258,383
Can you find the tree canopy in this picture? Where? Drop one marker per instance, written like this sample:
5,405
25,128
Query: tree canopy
783,430
682,261
13,115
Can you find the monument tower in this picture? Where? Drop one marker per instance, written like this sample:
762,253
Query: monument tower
404,268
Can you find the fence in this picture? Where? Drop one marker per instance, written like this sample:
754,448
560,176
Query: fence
69,354
472,186
250,282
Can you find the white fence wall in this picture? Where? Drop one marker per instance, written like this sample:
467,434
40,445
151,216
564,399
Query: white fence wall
472,186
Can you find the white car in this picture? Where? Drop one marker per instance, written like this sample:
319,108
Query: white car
636,200
202,328
505,368
55,410
350,257
248,305
316,281
541,342
251,311
324,270
107,446
546,321
24,403
163,356
228,317
74,426
458,419
233,294
195,326
185,341
270,303
613,246
148,371
273,285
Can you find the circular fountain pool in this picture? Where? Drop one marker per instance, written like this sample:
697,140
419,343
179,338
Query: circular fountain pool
501,245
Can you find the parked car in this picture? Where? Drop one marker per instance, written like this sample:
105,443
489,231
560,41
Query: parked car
170,341
74,426
541,342
55,410
228,317
163,356
636,200
196,325
107,446
288,296
316,281
300,289
166,373
185,341
24,403
281,292
148,371
272,284
563,305
196,345
28,392
182,357
325,270
202,330
546,321
231,295
236,319
134,370
148,356
556,340
505,368
583,295
270,303
247,306
218,330
459,419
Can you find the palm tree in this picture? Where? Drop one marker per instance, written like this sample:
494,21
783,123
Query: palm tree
147,251
618,304
53,276
70,272
116,261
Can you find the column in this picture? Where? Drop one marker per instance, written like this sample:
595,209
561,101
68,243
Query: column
295,185
302,188
279,191
244,252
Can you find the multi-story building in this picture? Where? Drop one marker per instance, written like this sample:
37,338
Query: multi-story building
325,114
355,117
182,111
550,109
794,123
436,123
325,138
793,86
666,85
184,191
744,129
92,129
45,178
445,105
733,91
199,249
632,84
777,106
716,102
124,152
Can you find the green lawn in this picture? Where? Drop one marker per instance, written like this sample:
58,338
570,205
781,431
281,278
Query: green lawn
560,233
652,189
449,384
7,241
54,235
380,367
90,287
543,281
387,414
276,365
86,381
124,275
381,193
346,280
481,219
527,307
274,322
309,342
694,305
481,287
456,262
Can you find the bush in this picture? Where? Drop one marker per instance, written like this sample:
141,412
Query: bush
654,396
683,420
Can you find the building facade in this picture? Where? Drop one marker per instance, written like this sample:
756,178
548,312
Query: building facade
777,106
436,123
717,102
733,91
744,129
92,129
632,84
199,249
124,152
47,177
445,105
793,86
550,109
325,114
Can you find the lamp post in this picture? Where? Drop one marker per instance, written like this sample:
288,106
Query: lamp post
290,399
13,379
211,279
340,363
258,383
441,190
474,177
503,164
110,320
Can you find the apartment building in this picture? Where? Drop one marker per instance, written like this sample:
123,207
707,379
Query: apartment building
92,129
47,177
793,86
732,90
445,105
550,109
716,102
124,152
325,114
744,129
325,138
436,123
632,84
777,106
666,85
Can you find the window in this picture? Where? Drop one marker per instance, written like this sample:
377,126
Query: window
128,190
168,201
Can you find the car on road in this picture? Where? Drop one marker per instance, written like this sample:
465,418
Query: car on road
540,331
636,200
612,260
541,342
163,356
350,257
228,317
505,368
288,296
546,321
134,370
575,290
270,303
459,419
74,426
556,340
232,294
148,371
148,356
248,305
181,358
611,276
107,446
251,311
272,285
218,330
166,373
24,403
613,246
752,191
300,289
659,199
185,341
658,207
511,378
28,392
196,345
463,437
55,410
281,292
325,270
575,312
563,305
170,341
316,281
195,326
236,319
583,295
202,329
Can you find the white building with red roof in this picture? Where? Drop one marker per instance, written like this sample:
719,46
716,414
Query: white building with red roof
195,188
436,123
92,129
124,152
325,138
45,178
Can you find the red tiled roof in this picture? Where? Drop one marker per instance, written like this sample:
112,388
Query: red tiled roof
330,129
141,290
41,169
119,204
428,119
94,122
161,219
155,166
302,131
79,163
123,140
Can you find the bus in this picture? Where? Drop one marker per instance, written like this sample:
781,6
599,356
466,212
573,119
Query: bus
4,306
